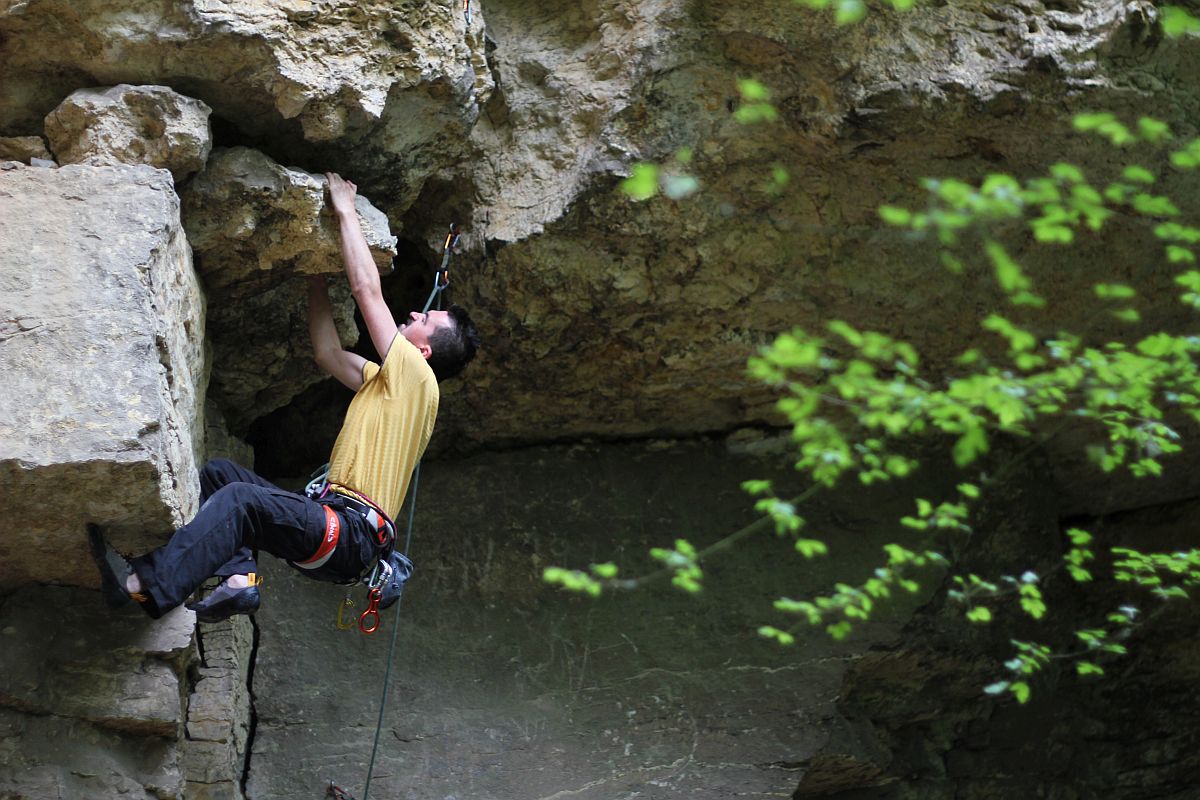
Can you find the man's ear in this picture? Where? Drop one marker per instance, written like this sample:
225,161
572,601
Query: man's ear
426,350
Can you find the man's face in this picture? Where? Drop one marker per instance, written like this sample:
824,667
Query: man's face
420,327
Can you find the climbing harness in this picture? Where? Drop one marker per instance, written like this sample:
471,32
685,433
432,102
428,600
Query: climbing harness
386,577
396,567
333,532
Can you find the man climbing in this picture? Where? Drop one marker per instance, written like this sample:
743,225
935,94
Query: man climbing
340,536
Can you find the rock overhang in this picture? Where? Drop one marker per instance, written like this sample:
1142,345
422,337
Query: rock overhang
610,319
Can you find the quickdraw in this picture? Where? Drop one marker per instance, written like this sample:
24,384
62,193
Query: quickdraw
441,277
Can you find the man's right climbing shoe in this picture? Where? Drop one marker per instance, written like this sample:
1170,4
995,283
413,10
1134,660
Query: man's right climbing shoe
114,569
225,601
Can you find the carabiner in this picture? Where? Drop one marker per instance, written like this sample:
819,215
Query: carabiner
372,612
342,623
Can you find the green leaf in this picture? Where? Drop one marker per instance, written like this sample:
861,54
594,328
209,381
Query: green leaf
1138,174
1020,690
839,630
1068,173
783,637
642,184
1114,291
607,571
895,215
810,548
850,11
1153,130
1088,668
970,445
752,113
752,91
1079,537
756,487
1091,122
1008,272
980,614
1177,21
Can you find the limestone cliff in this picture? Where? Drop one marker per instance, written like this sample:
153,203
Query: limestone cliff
157,233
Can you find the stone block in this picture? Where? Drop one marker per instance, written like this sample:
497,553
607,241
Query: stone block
255,227
110,682
23,149
126,124
102,349
253,220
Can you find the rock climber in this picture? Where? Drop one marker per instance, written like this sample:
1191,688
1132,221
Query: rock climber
339,536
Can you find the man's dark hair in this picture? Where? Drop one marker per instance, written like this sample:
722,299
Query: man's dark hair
453,346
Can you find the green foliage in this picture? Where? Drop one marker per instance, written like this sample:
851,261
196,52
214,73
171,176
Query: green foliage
756,104
672,180
1178,21
855,399
848,12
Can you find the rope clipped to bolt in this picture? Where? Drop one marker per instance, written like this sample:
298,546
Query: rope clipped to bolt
441,277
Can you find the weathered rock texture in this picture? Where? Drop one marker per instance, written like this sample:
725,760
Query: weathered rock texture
605,318
91,702
310,70
631,319
253,222
102,348
256,227
219,713
916,725
131,125
23,149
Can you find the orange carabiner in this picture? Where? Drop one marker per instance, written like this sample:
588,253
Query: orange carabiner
372,612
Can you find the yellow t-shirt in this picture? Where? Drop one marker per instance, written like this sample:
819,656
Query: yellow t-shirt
387,427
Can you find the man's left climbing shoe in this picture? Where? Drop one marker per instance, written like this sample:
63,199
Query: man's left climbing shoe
114,569
225,601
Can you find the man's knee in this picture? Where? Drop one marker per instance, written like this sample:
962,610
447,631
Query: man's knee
217,466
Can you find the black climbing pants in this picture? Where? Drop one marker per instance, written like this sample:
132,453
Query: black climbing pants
241,512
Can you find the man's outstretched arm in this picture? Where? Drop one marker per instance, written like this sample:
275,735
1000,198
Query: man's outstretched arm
327,346
360,267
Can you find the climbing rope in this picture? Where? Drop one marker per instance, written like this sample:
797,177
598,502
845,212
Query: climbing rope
441,280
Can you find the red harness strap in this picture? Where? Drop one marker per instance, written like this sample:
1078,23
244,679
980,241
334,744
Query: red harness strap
333,530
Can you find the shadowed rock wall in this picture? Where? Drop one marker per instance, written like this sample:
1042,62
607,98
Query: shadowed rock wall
603,318
502,687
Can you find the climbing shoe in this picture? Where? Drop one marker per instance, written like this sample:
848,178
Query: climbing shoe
114,569
225,601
